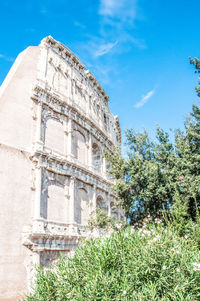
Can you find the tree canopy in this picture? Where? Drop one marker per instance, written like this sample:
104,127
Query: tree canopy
148,180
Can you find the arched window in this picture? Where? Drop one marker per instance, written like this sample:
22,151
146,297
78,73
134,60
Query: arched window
101,204
82,207
56,203
54,135
96,157
79,147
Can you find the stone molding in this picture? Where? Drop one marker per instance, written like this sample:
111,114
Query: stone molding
63,107
67,55
61,166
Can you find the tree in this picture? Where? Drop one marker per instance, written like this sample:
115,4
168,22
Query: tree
144,181
147,181
196,63
188,155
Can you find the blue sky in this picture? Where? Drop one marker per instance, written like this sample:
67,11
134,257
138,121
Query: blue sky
137,49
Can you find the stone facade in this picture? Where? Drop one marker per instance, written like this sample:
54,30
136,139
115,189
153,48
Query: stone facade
55,125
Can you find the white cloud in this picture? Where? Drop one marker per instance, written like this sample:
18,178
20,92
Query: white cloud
144,99
115,35
117,20
120,9
6,58
104,49
109,7
80,25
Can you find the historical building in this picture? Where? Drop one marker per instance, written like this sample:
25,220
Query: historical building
55,125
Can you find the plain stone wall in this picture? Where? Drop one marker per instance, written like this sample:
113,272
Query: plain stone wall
15,212
15,103
15,172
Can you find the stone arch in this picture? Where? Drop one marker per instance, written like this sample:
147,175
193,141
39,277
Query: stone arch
79,146
54,134
82,206
101,203
96,157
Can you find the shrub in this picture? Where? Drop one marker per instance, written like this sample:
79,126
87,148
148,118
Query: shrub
150,263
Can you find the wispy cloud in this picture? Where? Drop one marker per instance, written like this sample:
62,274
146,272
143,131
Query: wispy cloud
120,9
118,20
97,47
6,58
116,34
104,49
144,99
80,25
108,7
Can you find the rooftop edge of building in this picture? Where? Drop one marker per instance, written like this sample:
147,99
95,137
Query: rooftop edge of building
62,48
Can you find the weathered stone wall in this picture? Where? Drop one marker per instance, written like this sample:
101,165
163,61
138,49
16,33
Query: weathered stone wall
16,212
55,125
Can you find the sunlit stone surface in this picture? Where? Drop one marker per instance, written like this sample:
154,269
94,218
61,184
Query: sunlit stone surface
55,125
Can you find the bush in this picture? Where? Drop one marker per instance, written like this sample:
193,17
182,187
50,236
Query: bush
150,263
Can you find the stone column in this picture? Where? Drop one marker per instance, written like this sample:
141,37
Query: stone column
65,138
69,139
39,142
104,165
38,184
72,201
90,152
39,121
94,198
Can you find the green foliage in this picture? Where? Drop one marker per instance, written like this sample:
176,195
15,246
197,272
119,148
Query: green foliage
151,263
179,220
147,181
99,219
178,214
196,63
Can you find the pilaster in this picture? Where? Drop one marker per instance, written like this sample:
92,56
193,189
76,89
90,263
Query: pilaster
94,198
72,201
37,203
65,138
90,152
39,122
104,166
69,139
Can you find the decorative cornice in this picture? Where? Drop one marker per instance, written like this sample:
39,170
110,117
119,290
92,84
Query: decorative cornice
67,53
67,167
49,235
